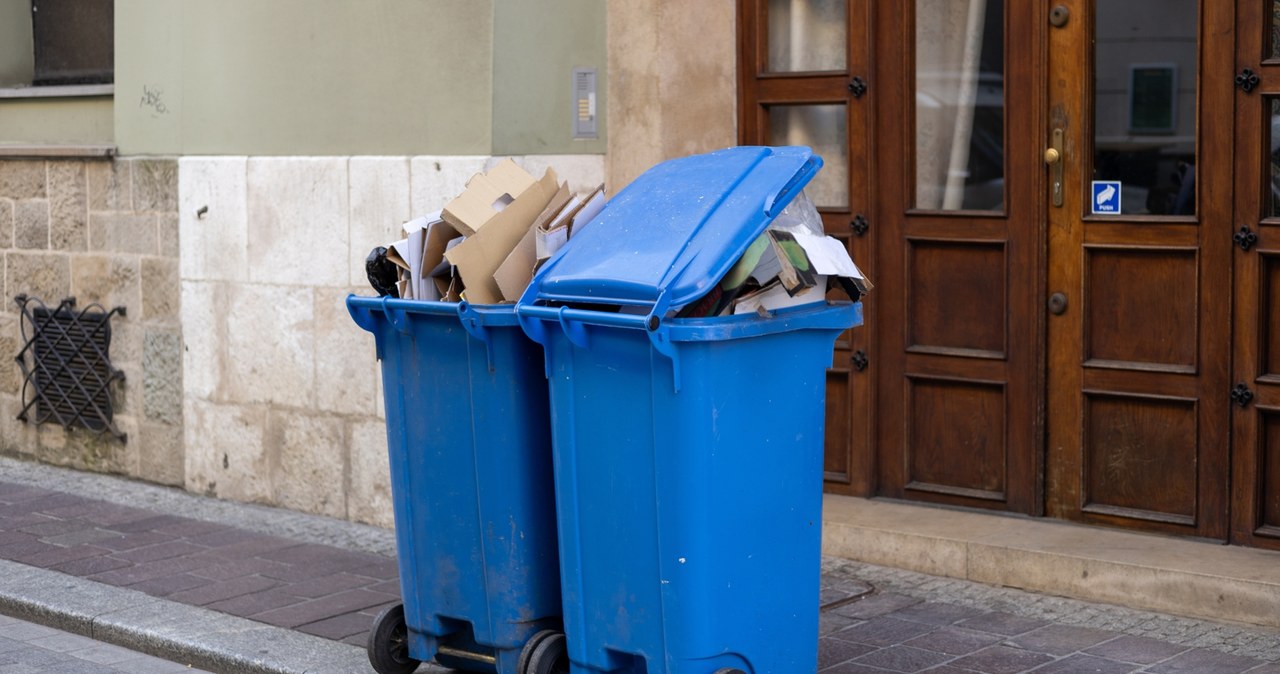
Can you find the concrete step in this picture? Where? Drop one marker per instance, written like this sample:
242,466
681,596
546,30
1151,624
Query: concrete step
1158,573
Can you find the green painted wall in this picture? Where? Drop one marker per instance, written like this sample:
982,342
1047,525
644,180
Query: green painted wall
304,77
56,120
536,46
17,60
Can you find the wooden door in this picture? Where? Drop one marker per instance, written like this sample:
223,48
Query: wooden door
803,80
1139,259
1256,403
960,192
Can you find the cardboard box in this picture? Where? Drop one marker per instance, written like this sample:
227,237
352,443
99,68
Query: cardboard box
486,195
498,227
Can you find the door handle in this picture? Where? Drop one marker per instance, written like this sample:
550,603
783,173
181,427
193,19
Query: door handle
1054,159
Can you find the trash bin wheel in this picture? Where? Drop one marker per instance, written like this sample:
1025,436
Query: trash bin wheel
729,670
389,643
547,655
522,664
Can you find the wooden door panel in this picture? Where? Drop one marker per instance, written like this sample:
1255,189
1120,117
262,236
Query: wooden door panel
1140,308
956,298
1140,457
957,438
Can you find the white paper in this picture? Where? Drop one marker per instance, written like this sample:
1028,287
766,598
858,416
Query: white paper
828,256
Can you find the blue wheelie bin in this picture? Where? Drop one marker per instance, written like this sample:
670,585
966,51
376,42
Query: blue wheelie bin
471,484
688,451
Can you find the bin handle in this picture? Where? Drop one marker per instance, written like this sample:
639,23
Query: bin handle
574,330
397,317
363,316
470,319
660,335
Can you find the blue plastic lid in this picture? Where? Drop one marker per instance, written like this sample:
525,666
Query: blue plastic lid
675,231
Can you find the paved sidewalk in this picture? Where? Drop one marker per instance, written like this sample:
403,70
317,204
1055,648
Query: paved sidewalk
28,648
239,588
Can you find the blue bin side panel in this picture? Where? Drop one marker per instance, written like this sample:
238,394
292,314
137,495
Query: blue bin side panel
690,522
471,481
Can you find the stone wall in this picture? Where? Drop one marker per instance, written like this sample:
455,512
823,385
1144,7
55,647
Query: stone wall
103,231
282,394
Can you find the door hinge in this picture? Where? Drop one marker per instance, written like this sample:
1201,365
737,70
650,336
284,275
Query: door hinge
858,87
1247,80
859,224
1241,395
1245,238
860,360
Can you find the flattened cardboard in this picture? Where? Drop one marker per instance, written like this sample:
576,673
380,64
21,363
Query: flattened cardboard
480,255
515,272
487,195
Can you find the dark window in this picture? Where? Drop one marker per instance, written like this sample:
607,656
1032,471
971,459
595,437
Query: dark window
74,41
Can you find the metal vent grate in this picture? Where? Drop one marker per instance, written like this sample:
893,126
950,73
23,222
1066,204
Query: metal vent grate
66,372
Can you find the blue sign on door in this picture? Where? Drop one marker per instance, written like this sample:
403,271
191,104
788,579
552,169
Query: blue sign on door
1106,197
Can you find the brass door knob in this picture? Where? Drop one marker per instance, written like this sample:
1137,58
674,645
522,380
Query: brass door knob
1051,156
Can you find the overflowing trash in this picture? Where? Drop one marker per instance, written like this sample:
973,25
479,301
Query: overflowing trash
485,245
487,242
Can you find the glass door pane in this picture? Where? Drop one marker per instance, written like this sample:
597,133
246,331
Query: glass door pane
1144,93
825,129
959,105
806,35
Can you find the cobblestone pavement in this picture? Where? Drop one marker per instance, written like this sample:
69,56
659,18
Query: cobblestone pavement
27,648
329,578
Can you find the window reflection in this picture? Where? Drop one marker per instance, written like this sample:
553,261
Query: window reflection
1145,104
960,104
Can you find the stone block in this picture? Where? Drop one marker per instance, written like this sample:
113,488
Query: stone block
270,345
111,281
298,221
127,337
31,224
110,185
204,327
160,454
43,275
16,436
155,184
11,343
6,223
133,233
68,206
379,205
162,377
22,179
583,172
103,452
369,496
161,291
344,357
226,455
309,473
213,222
167,225
436,180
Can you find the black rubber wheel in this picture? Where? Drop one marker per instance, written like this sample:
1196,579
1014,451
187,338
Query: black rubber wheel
729,670
389,643
522,664
548,656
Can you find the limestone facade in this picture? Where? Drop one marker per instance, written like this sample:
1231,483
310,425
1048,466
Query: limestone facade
102,231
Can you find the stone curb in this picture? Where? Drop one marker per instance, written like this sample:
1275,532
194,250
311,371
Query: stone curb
187,634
